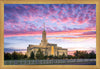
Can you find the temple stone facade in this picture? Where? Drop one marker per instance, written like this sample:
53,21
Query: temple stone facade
47,48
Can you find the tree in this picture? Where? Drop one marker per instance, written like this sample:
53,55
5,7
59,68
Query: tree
14,55
46,56
63,56
55,57
76,54
92,54
39,54
25,56
20,55
51,57
7,56
70,57
32,55
81,54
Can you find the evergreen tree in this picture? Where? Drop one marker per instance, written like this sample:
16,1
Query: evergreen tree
14,55
81,54
32,55
7,56
76,54
92,54
20,55
25,56
63,56
39,54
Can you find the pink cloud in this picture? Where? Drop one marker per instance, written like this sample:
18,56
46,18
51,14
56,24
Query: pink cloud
52,10
64,20
27,27
18,8
72,23
60,13
55,33
30,18
58,23
71,53
26,7
82,22
24,34
53,19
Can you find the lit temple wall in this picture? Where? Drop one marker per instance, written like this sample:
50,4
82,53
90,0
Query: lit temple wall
52,50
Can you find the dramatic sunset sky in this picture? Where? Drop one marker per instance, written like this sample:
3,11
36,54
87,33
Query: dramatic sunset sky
71,26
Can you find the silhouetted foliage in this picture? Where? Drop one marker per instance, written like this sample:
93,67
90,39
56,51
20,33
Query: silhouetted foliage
20,55
25,56
84,54
70,57
32,55
92,54
63,56
76,54
14,56
39,54
51,57
7,56
45,57
55,57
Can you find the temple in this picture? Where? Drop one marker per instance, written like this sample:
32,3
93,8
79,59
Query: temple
47,48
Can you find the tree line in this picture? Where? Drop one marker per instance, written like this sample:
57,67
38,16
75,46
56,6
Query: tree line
82,55
39,55
14,56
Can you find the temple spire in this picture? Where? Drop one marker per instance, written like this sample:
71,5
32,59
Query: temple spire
44,26
43,41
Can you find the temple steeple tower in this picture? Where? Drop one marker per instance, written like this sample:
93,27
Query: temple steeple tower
43,41
44,26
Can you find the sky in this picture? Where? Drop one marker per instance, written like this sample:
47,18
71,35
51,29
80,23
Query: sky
71,26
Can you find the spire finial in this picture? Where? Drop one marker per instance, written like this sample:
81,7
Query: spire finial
44,26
